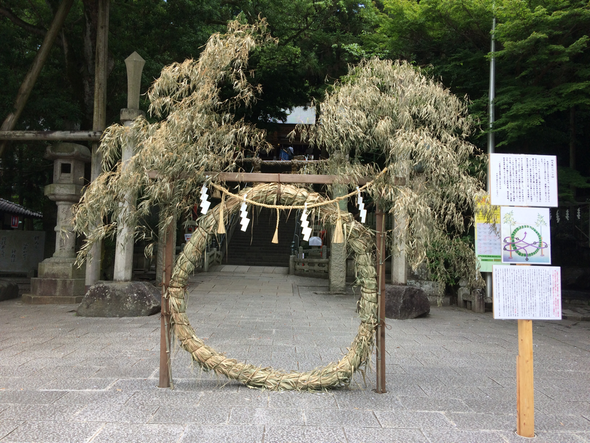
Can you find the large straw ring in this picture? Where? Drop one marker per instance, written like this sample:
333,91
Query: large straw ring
359,241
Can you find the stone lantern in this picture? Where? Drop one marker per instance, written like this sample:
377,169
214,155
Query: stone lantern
60,281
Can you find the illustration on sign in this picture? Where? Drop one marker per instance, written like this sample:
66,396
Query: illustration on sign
488,244
526,236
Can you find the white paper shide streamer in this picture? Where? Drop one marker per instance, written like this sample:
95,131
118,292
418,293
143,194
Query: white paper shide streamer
244,221
204,202
361,206
305,224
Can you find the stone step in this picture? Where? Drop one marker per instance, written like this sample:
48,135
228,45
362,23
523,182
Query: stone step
255,248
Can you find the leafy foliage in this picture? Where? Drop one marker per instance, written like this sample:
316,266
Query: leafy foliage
419,129
196,132
545,63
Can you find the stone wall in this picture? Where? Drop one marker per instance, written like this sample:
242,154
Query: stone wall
21,251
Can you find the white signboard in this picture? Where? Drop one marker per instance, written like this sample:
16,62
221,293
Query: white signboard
527,292
525,236
523,180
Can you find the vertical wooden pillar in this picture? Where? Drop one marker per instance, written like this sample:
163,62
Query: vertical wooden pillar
525,393
165,369
99,122
380,265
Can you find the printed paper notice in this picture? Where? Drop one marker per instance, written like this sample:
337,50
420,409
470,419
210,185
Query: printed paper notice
526,237
523,180
527,292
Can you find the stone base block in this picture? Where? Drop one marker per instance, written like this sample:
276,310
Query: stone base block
64,268
8,290
55,291
404,302
120,299
52,300
471,299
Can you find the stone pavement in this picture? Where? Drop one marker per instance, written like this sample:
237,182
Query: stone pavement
450,376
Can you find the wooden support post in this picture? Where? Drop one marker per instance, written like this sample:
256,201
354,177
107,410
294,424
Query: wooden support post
525,393
380,265
99,121
165,369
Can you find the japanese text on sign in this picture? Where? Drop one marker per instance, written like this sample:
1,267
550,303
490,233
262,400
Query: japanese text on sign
527,293
523,180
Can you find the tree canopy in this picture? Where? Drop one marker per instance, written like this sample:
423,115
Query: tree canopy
418,128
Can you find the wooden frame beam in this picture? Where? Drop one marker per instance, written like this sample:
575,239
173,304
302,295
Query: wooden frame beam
265,177
92,136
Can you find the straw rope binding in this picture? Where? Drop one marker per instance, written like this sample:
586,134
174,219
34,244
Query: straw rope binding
337,374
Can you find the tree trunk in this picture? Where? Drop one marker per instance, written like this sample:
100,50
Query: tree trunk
27,85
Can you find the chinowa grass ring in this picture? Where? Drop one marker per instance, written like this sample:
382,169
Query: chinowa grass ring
359,241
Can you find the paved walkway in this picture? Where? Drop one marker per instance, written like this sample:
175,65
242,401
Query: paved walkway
450,376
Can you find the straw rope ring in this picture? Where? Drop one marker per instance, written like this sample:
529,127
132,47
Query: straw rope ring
359,241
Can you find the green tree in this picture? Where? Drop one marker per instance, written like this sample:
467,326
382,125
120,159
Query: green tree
544,74
449,39
316,42
542,65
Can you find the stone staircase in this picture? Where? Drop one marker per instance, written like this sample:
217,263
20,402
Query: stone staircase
255,248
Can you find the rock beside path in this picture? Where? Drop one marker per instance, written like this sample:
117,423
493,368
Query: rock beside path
8,290
120,299
404,302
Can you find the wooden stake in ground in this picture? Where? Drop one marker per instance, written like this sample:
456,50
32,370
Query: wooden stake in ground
525,392
380,240
165,369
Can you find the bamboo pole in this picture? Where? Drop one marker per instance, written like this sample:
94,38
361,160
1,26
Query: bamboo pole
165,368
29,81
380,265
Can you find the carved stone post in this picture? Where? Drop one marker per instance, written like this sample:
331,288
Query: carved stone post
399,275
123,270
338,250
122,297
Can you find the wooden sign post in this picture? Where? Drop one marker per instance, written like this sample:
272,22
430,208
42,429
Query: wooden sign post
525,185
525,392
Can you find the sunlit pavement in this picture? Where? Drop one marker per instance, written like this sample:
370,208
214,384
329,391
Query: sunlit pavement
451,376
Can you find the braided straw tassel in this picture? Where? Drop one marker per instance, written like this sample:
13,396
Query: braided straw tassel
221,227
338,236
275,238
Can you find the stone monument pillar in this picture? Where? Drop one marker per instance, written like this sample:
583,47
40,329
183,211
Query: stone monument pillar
123,297
123,270
60,281
399,273
338,250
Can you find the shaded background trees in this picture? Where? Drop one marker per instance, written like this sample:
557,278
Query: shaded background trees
543,63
